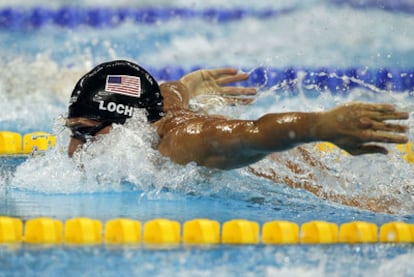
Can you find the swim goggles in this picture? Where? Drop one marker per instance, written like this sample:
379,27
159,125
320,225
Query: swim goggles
85,133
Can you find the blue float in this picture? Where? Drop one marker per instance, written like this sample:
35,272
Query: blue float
39,16
103,17
100,17
12,18
70,17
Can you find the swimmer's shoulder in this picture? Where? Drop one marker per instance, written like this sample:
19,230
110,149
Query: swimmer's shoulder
183,118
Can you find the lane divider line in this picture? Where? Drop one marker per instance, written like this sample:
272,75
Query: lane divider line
71,17
162,231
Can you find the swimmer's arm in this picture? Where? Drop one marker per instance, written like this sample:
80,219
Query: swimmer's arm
354,127
206,82
226,144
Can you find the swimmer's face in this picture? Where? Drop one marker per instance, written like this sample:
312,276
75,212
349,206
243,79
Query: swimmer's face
83,128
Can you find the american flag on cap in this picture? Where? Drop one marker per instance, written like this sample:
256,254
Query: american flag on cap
123,84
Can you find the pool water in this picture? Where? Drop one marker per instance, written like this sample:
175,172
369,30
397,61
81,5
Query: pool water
40,62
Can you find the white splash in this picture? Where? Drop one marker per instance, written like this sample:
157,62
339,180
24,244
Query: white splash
126,154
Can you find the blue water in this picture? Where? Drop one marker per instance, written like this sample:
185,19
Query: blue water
39,66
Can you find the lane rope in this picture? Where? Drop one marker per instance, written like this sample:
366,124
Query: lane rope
18,18
385,5
161,231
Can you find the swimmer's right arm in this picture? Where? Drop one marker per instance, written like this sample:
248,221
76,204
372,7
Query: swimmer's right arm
356,127
226,144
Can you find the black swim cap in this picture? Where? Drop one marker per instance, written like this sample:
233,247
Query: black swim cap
112,90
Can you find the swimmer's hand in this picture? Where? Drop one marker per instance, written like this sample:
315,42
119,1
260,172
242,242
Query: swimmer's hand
356,127
214,81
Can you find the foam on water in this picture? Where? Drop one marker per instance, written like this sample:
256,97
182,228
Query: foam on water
313,34
320,35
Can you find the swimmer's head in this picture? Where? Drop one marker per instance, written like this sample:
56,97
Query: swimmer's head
111,92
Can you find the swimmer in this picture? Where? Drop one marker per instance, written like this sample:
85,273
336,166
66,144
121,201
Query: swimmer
110,93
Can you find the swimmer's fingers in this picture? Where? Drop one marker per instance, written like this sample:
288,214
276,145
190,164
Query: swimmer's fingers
375,111
227,100
214,81
390,115
237,91
364,143
367,140
367,123
225,76
225,80
222,72
232,101
383,136
377,107
379,131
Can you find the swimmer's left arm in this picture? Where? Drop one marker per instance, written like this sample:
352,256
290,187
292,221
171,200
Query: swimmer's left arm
214,81
207,82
